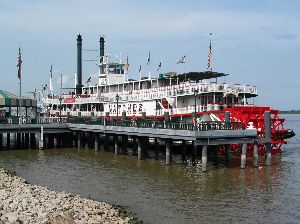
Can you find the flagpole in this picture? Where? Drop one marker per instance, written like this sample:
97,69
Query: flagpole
19,76
210,50
20,101
149,64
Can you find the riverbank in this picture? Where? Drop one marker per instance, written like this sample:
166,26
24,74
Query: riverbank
21,202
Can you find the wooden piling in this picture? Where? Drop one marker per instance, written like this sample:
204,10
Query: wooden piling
168,151
243,156
204,158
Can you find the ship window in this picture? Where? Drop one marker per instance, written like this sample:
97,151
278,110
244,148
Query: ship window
83,107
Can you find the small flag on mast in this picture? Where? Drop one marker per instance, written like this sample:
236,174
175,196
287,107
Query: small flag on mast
88,80
51,72
127,64
182,59
159,66
209,57
19,64
50,80
140,72
148,61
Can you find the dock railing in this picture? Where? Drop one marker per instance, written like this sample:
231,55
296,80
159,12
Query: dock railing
160,124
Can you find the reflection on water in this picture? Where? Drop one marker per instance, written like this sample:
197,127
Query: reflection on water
171,194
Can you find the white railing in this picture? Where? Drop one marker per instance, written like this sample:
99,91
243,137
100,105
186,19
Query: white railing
162,92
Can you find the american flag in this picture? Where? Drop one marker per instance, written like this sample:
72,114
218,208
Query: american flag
140,69
182,59
148,61
19,64
209,57
51,72
159,66
88,80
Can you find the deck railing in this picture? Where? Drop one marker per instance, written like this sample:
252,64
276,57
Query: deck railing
159,124
140,123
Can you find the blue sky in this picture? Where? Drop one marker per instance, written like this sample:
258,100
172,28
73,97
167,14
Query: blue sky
256,42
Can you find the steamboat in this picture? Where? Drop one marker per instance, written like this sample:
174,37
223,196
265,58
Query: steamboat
190,97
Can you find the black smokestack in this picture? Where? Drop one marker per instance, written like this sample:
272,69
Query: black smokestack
101,41
79,65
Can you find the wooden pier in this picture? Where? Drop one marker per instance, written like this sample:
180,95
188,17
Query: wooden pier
102,133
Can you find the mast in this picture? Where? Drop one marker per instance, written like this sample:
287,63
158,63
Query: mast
19,65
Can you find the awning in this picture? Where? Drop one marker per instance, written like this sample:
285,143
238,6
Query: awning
8,99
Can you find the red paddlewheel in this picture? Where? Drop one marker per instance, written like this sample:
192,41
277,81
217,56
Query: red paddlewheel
255,114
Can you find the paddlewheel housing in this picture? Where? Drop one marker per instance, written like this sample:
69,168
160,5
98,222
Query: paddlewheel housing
255,115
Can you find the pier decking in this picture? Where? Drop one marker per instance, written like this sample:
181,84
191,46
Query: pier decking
88,132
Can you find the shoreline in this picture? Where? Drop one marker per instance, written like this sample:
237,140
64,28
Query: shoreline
22,202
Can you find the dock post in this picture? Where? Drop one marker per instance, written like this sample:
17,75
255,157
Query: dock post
78,140
145,146
96,138
22,140
243,156
204,158
86,140
140,149
183,153
41,141
116,141
18,145
255,155
32,141
1,139
46,142
156,145
227,155
216,156
267,121
73,139
124,143
55,143
168,151
8,140
106,142
27,140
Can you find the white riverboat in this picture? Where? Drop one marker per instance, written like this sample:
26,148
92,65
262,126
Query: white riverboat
181,96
